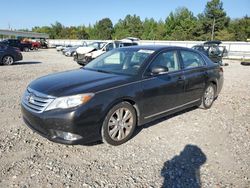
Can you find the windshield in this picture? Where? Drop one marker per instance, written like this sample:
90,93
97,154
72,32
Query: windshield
97,45
120,61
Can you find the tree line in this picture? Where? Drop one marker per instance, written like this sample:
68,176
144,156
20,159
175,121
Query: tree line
181,24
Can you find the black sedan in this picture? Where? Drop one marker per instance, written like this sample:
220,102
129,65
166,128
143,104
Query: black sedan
8,54
121,89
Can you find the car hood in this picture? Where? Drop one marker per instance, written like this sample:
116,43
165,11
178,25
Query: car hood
76,82
84,50
96,53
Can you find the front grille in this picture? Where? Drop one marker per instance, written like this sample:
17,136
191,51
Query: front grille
36,101
80,57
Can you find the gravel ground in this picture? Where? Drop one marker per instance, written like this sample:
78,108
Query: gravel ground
207,147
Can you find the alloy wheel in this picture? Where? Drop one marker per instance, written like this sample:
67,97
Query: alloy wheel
120,124
8,60
209,96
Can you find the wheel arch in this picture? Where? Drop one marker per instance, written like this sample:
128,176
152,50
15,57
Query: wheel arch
215,83
129,100
135,105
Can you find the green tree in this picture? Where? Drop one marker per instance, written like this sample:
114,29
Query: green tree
56,30
161,30
224,35
240,28
91,32
104,29
130,26
213,19
82,33
180,25
120,30
149,29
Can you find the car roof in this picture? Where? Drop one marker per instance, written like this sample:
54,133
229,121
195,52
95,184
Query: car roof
198,45
212,42
158,47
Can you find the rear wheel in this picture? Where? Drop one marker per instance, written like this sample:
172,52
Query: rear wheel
25,49
208,96
119,124
7,60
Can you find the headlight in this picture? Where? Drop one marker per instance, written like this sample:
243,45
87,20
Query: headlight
88,55
70,101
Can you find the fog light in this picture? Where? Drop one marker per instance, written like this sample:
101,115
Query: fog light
67,135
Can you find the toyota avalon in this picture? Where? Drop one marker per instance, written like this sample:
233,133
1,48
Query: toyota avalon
119,90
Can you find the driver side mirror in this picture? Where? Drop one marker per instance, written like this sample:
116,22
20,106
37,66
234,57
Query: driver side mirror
158,69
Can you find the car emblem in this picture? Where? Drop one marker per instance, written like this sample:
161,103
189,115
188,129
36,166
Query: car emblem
30,98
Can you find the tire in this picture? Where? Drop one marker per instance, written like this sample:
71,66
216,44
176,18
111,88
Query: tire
245,63
25,49
208,96
119,124
7,60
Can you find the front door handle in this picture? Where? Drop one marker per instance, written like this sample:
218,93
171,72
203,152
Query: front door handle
181,78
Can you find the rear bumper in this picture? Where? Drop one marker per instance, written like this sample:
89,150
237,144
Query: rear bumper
19,57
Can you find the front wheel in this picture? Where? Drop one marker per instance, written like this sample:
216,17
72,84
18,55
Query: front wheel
8,60
119,124
208,96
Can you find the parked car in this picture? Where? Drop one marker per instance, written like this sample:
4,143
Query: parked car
8,54
85,58
71,50
213,50
35,45
81,51
18,44
119,90
44,43
61,48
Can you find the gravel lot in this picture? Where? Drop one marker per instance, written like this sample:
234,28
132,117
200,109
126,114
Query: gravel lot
210,146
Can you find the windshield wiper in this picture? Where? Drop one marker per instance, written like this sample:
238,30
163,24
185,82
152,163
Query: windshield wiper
98,70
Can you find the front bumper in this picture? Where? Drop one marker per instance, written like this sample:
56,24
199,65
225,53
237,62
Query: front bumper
48,123
82,59
67,54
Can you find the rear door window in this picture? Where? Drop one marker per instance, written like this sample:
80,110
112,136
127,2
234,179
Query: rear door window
191,59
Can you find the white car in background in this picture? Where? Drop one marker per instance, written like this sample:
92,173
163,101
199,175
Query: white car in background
61,48
84,55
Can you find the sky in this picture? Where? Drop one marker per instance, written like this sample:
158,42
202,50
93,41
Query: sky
22,14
